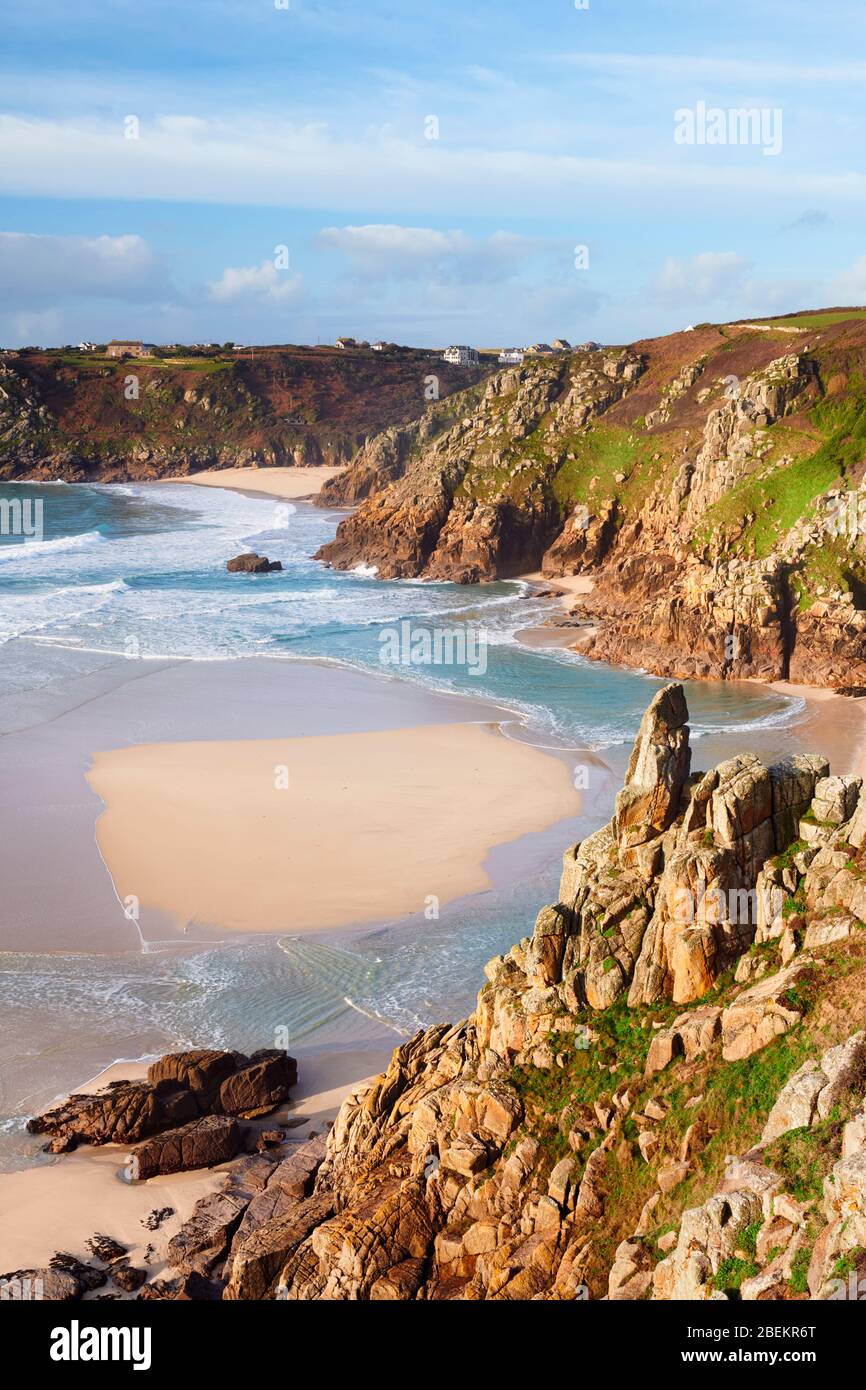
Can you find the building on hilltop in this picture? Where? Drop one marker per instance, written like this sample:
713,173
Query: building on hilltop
461,356
512,356
121,347
346,343
561,345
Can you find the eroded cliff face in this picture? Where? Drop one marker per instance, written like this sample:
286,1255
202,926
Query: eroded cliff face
697,992
478,501
708,483
80,417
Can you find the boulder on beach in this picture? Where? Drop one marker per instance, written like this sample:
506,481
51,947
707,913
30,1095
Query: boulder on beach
179,1089
201,1144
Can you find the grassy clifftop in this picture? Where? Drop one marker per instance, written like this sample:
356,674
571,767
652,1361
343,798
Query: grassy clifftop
82,416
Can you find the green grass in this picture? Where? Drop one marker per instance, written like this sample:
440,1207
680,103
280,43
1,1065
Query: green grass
206,365
813,320
601,453
798,1282
778,497
804,1157
775,499
732,1272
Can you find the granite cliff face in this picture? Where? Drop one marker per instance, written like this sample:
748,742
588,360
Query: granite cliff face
572,1138
82,417
708,483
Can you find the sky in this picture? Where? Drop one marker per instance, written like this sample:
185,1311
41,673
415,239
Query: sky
287,171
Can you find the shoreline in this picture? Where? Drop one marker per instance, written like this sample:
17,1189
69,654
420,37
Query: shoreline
74,913
837,719
58,1205
838,716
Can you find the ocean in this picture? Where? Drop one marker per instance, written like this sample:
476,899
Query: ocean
137,573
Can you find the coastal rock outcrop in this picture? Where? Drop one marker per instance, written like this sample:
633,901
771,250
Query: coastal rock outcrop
250,563
179,1089
663,472
202,1143
476,500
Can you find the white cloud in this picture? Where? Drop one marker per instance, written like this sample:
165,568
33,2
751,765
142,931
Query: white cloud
707,276
260,283
240,160
36,270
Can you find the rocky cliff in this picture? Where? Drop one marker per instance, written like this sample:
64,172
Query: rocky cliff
708,483
85,417
661,1093
696,992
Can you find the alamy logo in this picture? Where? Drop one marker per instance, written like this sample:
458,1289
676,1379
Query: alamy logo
411,645
846,515
22,1288
22,516
736,125
77,1343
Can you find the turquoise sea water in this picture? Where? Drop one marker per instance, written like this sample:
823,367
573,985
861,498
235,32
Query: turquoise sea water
146,565
141,569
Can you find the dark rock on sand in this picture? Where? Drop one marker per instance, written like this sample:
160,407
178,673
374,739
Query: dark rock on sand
128,1277
88,1276
201,1144
107,1249
179,1088
156,1218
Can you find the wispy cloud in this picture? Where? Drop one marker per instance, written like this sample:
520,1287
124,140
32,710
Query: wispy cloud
809,221
708,276
382,251
37,270
236,160
679,66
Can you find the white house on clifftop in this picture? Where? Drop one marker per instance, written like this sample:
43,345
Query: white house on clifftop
461,356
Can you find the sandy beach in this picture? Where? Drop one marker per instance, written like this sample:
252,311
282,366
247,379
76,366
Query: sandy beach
836,726
61,1204
289,484
292,834
568,586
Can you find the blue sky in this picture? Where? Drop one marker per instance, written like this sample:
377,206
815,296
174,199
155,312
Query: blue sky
307,127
